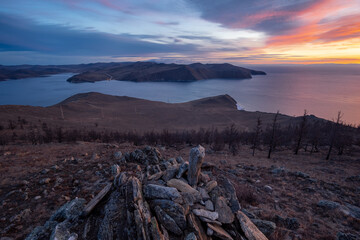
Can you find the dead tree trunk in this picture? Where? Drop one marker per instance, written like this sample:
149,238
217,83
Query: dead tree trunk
256,136
273,132
301,132
334,134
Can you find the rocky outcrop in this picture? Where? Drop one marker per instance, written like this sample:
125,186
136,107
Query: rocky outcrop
141,204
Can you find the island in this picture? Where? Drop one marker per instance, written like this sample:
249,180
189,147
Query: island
132,71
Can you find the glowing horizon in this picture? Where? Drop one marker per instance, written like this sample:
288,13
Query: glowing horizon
183,31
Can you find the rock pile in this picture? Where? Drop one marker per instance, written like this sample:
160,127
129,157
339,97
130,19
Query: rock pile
155,199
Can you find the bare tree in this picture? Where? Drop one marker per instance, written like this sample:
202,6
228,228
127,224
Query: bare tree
302,131
258,131
333,134
273,133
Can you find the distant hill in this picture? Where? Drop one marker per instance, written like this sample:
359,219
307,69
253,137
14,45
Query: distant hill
132,71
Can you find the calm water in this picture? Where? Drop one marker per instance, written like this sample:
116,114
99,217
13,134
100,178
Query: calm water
290,90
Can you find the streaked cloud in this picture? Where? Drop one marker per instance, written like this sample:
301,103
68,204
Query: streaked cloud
247,31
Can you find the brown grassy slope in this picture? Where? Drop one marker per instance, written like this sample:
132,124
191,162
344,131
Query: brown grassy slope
125,113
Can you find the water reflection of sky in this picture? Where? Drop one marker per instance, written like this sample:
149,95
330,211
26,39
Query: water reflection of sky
292,92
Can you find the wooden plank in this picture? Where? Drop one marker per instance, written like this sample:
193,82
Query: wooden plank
249,228
92,204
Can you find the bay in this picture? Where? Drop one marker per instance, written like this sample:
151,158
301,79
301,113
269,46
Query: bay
321,91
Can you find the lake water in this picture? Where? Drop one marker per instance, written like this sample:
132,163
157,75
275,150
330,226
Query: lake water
322,91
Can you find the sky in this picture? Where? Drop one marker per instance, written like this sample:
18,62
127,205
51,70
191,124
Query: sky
180,31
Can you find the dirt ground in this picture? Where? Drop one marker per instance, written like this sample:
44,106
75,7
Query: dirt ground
36,180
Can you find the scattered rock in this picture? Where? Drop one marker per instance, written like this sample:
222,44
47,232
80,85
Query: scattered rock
354,211
45,171
266,227
196,159
328,205
118,155
302,175
277,170
345,236
37,197
268,188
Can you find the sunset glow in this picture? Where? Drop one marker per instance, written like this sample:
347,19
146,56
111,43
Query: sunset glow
264,32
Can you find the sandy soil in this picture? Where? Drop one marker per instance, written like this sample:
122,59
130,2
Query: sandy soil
36,180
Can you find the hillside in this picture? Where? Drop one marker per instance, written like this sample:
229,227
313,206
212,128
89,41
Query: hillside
126,114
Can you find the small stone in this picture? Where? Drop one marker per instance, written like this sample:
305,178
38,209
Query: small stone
118,155
45,171
268,188
45,181
204,178
204,195
191,236
37,197
205,213
302,175
210,186
209,205
55,167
